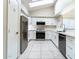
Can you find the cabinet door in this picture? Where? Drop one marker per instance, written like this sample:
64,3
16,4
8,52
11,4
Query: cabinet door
55,38
70,47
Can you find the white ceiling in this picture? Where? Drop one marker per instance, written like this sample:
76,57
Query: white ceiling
25,3
62,4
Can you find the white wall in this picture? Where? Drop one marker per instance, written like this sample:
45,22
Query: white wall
24,9
48,11
69,23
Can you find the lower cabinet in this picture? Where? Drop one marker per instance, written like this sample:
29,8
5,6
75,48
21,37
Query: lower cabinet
70,47
31,35
55,38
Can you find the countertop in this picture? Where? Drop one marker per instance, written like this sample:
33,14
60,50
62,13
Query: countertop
67,32
72,34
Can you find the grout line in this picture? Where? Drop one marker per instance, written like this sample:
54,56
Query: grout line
40,51
54,44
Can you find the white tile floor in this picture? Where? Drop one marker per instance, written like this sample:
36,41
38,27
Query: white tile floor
41,50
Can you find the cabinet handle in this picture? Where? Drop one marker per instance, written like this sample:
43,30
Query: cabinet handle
69,47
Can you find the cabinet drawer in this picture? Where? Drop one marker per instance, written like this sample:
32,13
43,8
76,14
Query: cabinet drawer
70,39
70,43
70,52
70,47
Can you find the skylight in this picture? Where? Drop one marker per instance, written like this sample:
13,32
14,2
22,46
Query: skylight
34,0
40,2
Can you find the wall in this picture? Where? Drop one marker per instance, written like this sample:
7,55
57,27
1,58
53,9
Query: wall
5,20
24,10
69,23
70,14
69,19
48,11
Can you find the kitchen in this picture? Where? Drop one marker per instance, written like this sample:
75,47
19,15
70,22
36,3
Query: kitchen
41,29
62,38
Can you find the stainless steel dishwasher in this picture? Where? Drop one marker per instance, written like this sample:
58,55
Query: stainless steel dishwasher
62,44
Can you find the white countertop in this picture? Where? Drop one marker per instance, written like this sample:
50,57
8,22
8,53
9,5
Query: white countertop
68,32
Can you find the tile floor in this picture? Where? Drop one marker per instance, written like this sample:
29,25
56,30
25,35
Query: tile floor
41,50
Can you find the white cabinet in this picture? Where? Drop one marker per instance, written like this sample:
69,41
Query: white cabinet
48,34
31,35
52,36
70,47
55,38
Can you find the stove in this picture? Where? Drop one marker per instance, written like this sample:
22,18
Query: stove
40,34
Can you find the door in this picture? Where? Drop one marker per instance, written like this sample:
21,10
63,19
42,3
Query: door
13,38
